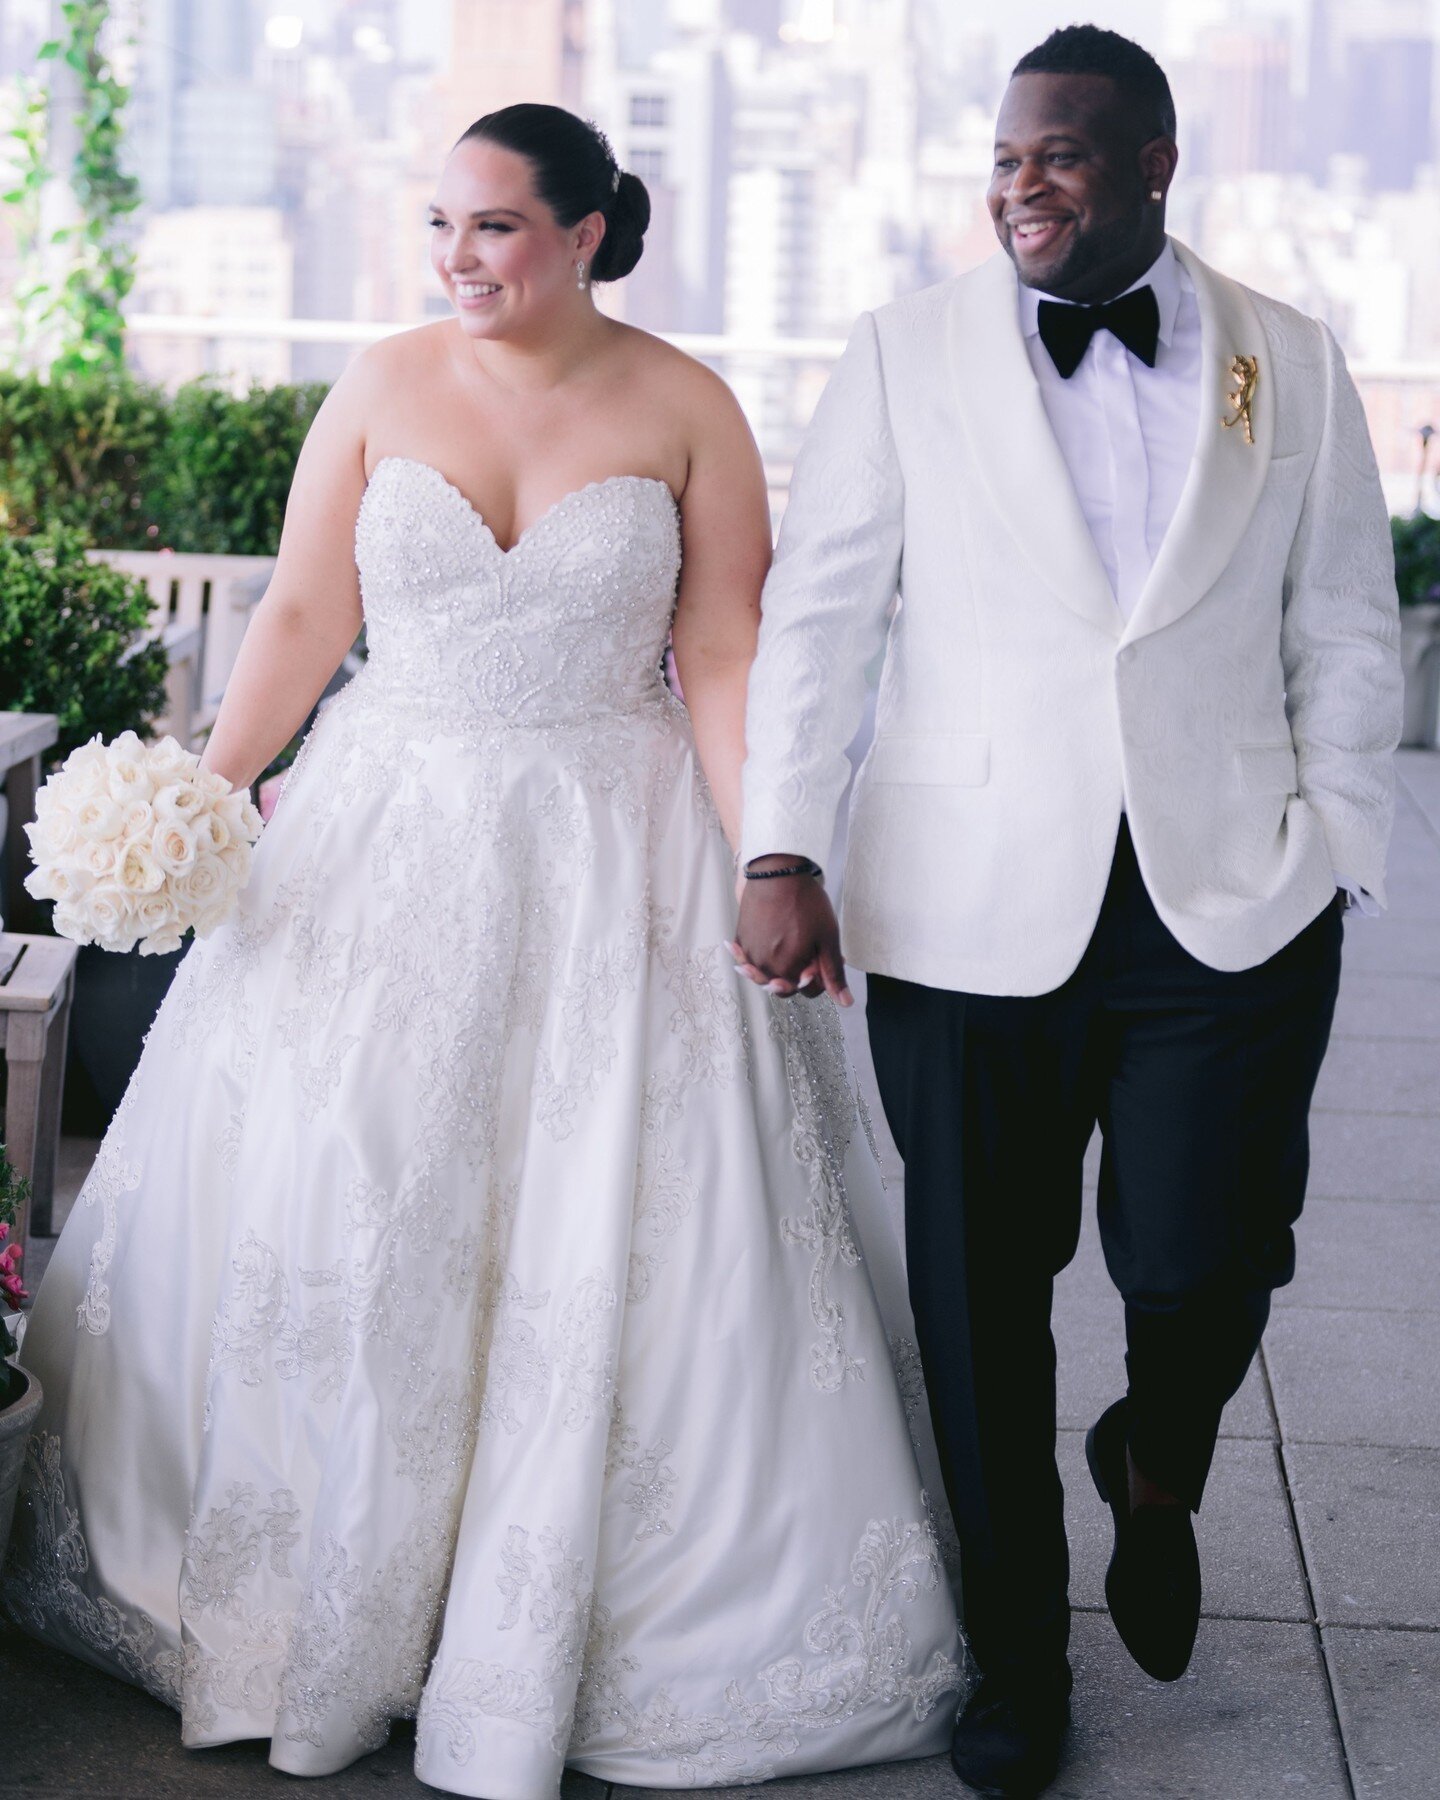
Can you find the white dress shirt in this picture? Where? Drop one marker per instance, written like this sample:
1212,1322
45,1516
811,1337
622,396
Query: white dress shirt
1127,432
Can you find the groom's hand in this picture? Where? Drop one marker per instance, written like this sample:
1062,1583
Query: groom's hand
787,940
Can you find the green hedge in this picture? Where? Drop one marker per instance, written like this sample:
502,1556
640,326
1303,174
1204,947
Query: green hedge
68,640
135,469
1417,558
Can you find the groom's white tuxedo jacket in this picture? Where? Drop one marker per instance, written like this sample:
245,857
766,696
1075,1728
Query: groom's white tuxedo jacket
1244,716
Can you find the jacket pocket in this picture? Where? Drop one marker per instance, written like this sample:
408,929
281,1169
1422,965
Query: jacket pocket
1267,769
930,760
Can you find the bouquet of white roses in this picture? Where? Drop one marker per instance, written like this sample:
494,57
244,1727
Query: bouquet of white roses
136,843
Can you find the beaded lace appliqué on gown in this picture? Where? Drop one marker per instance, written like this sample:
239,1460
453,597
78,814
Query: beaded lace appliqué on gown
464,1316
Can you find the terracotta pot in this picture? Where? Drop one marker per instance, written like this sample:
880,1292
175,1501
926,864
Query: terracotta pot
17,1421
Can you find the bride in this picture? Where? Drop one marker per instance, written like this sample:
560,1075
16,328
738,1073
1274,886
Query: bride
463,1317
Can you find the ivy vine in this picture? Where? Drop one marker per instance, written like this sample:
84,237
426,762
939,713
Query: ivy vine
81,311
30,171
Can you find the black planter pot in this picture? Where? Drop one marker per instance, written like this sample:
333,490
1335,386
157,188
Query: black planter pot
116,1000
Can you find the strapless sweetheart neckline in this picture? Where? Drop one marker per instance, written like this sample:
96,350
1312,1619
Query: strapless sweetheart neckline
555,507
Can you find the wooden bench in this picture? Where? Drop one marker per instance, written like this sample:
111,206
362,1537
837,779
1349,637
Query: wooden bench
37,984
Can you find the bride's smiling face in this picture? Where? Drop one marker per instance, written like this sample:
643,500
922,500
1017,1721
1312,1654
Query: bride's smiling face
504,260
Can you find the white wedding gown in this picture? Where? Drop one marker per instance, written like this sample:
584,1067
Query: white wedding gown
463,1317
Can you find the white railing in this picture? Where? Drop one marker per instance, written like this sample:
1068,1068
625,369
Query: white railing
370,331
202,605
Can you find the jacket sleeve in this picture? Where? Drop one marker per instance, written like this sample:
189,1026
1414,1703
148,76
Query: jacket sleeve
824,611
1340,640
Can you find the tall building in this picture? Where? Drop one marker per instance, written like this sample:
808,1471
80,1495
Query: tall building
1236,101
503,51
215,262
1371,90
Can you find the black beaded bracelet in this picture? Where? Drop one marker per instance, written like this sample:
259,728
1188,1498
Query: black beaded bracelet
803,867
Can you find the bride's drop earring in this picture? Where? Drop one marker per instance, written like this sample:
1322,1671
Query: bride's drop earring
580,276
1155,194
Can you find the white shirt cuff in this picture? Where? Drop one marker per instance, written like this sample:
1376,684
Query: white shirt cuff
1359,900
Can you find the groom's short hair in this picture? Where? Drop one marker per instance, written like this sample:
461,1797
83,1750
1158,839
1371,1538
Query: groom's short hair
1089,50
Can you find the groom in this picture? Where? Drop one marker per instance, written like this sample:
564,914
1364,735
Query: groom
1132,756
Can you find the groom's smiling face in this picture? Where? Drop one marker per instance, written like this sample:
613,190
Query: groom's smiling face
1069,195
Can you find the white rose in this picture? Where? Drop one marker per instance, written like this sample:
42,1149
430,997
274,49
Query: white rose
98,859
70,922
211,785
129,777
175,846
86,760
156,914
212,832
241,816
84,784
170,761
138,872
54,835
137,821
237,858
206,883
107,911
179,800
48,883
161,943
98,818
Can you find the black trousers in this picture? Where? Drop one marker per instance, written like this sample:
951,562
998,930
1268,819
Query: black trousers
1200,1082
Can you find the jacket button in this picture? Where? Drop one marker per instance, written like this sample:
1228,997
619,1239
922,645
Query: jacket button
1127,655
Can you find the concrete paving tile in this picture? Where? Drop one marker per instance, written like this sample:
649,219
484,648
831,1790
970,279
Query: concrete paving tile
88,1733
1389,1006
1382,1075
1387,946
930,1778
1355,1377
1385,1686
1412,885
1249,1720
1248,1554
1369,1156
1380,1254
1370,1530
1418,778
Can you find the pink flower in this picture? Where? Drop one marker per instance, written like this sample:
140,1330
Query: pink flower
4,1230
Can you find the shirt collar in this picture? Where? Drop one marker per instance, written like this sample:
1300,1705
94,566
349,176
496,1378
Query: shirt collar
1164,275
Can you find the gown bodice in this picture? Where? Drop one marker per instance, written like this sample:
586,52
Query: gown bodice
568,623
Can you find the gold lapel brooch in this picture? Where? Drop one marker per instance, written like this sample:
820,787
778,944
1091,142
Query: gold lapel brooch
1244,373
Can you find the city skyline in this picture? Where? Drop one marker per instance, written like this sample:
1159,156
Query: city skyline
807,159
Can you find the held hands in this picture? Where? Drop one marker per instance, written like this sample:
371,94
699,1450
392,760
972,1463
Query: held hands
787,940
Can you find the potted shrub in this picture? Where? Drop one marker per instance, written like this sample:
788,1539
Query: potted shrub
19,1391
71,644
1417,575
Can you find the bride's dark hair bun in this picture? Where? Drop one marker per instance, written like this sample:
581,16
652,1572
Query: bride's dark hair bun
575,174
625,225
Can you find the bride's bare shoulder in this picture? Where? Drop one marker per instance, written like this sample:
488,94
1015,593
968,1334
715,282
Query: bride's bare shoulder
390,379
412,355
681,383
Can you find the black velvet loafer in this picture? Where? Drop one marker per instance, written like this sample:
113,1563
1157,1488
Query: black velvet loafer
1008,1739
1153,1582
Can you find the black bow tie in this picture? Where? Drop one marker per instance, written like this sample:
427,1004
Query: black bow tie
1134,318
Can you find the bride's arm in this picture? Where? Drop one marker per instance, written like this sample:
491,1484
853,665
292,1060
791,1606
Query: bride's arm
310,614
725,531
